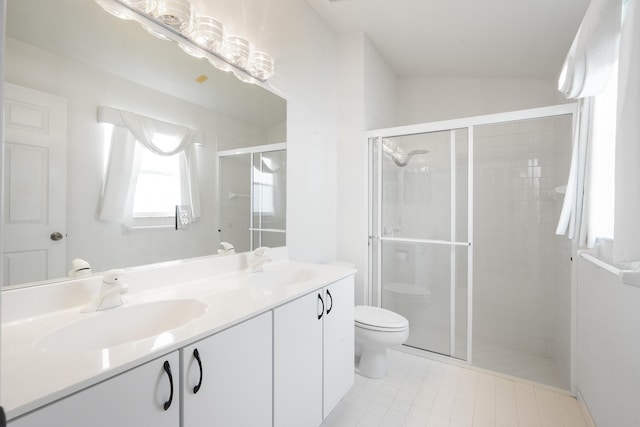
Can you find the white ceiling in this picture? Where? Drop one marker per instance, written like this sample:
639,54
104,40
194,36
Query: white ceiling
462,38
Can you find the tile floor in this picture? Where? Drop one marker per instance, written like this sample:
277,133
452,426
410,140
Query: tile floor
518,363
431,393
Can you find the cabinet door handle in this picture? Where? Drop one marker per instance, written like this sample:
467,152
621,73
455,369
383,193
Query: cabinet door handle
196,355
322,310
331,300
167,369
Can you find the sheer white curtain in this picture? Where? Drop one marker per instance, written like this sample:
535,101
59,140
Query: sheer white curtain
133,133
573,217
122,176
585,74
626,245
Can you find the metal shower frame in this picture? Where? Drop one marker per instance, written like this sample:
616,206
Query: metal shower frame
375,238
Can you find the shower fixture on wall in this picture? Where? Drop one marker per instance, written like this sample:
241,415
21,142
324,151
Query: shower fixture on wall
396,153
402,163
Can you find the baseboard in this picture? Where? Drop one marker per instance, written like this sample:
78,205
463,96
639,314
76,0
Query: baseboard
585,410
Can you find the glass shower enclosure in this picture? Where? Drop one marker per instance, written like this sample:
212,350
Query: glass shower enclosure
252,196
421,232
462,240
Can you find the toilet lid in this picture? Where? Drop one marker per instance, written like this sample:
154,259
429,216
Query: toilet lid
406,289
376,317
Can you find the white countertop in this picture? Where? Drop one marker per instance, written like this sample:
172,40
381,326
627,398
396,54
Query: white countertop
32,377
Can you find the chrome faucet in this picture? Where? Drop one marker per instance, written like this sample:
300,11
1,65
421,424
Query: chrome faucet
258,260
110,292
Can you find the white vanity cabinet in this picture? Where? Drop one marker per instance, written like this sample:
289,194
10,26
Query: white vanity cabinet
338,343
134,398
278,364
227,378
313,355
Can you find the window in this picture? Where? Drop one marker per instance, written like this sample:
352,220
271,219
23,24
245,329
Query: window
602,162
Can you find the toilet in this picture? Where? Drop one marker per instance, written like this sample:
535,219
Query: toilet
412,302
377,329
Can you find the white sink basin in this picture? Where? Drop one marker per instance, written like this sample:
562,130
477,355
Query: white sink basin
280,277
109,328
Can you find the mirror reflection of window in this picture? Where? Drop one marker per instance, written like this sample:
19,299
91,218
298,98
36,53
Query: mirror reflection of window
158,187
263,192
152,167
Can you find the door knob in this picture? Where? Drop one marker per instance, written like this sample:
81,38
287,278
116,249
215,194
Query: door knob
56,235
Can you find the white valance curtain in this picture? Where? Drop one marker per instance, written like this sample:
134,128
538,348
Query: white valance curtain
132,134
593,53
601,41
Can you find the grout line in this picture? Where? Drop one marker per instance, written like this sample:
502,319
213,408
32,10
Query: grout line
464,364
425,391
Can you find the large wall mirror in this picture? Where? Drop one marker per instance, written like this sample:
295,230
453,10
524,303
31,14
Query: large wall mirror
67,60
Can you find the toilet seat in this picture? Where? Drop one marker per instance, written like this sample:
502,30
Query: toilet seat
379,319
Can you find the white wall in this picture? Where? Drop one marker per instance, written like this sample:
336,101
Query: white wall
366,93
380,89
305,49
608,347
423,100
351,225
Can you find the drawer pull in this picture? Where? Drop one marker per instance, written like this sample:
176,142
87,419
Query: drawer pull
322,309
331,300
196,355
167,369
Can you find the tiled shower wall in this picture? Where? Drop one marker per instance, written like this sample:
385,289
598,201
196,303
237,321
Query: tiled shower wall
521,268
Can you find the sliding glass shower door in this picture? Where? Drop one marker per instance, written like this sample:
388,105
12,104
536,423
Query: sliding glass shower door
462,242
419,245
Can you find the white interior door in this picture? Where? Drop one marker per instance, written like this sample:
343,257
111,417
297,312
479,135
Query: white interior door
34,233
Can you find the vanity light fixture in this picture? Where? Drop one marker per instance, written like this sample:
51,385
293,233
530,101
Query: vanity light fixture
199,36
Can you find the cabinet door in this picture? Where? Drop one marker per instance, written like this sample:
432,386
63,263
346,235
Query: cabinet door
297,365
132,399
338,342
235,377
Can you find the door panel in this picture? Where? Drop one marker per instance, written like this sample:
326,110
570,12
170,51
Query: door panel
338,340
419,222
297,362
35,185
